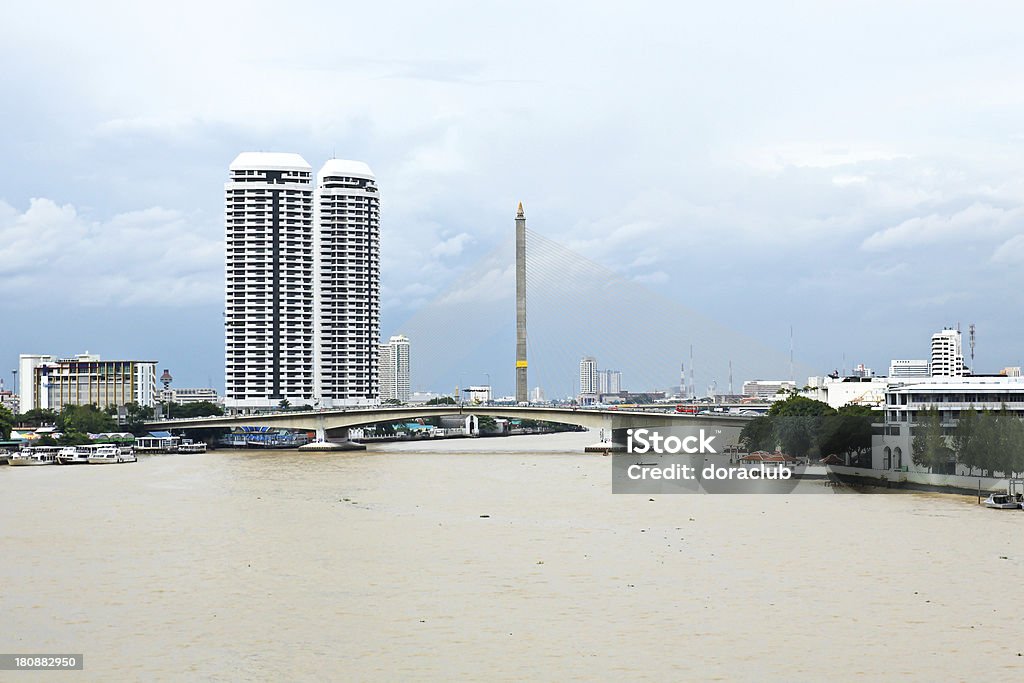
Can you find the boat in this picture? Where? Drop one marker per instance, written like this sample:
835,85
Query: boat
106,454
1002,501
192,447
73,455
35,455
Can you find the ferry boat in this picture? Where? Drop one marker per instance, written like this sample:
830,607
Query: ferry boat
1003,501
73,455
35,455
192,447
105,454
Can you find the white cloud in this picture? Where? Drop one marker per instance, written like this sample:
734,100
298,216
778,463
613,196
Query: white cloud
452,246
1010,252
978,220
153,256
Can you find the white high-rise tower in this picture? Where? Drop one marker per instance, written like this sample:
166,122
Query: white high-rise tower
268,311
947,354
347,283
394,369
302,306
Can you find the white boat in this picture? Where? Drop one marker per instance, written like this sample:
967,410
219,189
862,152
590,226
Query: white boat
1002,501
73,455
191,447
106,454
35,455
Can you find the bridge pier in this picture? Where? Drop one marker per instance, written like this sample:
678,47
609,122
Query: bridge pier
612,441
340,441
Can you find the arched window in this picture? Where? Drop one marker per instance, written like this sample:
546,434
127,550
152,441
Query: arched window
897,458
887,462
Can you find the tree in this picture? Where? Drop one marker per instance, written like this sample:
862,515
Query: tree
441,401
393,402
85,419
198,409
759,434
284,404
964,438
6,423
798,424
929,445
848,432
37,417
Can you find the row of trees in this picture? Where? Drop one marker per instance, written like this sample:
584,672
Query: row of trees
989,441
803,427
75,423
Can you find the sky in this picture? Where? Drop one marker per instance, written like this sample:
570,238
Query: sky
850,170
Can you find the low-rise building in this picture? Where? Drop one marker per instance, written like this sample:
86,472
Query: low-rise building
767,389
905,404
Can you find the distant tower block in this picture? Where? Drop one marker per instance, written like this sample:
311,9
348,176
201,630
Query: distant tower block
522,395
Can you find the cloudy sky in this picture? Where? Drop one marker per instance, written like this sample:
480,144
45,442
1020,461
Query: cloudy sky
850,169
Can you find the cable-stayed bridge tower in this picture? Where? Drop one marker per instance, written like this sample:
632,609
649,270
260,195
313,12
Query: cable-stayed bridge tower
522,387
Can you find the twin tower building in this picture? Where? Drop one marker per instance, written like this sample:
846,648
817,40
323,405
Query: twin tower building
302,304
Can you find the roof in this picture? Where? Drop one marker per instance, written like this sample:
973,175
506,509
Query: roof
248,161
345,167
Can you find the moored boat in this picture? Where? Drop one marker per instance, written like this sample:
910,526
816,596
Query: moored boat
107,454
35,455
73,455
1002,501
192,447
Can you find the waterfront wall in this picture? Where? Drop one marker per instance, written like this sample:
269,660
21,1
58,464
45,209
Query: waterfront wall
927,481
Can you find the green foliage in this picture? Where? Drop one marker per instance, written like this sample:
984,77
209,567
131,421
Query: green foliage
396,402
6,423
441,401
800,406
848,432
929,446
73,438
990,441
37,417
284,404
798,423
759,434
85,419
197,409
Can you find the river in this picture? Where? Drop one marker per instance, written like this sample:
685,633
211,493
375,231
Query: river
492,559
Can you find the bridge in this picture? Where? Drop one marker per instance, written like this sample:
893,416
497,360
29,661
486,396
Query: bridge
334,423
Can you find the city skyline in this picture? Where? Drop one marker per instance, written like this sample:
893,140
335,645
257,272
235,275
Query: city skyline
804,191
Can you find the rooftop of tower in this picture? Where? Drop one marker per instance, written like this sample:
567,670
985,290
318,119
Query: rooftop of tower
346,168
274,161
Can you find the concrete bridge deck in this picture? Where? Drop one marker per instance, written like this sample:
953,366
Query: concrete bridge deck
335,419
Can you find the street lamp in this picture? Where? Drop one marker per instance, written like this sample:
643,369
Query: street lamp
490,394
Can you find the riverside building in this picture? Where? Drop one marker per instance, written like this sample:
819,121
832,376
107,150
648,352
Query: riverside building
51,383
302,286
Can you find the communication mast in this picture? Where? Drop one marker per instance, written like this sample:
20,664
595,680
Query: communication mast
971,337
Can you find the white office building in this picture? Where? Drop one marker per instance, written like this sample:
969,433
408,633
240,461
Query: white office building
768,389
51,383
589,385
909,369
302,293
947,354
394,369
609,381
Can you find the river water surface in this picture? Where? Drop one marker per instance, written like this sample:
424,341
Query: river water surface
494,559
